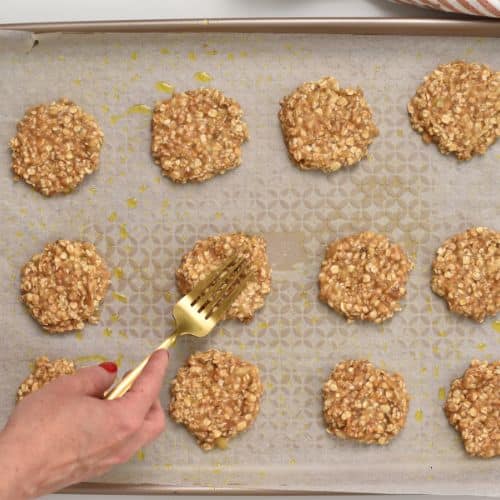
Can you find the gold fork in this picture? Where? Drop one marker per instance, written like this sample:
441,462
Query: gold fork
198,312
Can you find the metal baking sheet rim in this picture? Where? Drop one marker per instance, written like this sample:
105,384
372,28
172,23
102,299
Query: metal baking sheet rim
463,26
153,489
354,26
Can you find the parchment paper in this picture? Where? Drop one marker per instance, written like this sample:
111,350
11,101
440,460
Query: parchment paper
404,189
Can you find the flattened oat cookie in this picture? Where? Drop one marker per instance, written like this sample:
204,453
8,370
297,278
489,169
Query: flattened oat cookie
207,255
364,403
43,372
473,408
197,134
63,286
466,273
55,147
364,276
326,127
216,395
457,107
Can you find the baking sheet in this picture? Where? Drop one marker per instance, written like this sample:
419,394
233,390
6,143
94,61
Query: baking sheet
404,189
458,26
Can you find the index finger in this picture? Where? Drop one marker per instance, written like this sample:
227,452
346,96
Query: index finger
146,388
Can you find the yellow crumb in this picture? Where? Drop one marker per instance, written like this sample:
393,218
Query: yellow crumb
142,109
123,232
120,297
119,360
164,87
118,272
203,76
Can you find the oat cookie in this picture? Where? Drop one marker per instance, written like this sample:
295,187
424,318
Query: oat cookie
473,408
56,145
466,273
364,403
364,276
457,107
207,255
63,286
216,395
44,371
197,134
326,127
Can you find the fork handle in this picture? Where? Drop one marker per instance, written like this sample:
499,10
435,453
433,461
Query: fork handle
126,382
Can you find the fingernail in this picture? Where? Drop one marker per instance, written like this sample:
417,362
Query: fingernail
109,366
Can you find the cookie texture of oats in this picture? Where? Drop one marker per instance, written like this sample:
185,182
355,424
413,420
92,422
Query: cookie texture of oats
364,403
458,108
363,277
326,127
473,408
63,286
55,147
216,395
197,134
466,273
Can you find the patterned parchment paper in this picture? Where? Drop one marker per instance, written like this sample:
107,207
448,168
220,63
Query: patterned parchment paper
142,223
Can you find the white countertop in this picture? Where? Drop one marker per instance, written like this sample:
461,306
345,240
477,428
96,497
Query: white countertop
15,11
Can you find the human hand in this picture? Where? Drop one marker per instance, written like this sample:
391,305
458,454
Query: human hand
66,433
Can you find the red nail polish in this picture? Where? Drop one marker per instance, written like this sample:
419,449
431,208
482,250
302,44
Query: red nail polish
109,366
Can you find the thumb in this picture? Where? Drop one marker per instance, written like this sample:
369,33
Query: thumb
93,380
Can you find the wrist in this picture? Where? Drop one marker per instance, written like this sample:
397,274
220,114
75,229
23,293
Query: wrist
15,480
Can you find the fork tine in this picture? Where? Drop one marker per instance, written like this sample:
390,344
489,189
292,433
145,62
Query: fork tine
205,296
228,301
198,290
223,289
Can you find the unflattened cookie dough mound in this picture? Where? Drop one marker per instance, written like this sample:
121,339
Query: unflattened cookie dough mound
457,108
326,127
44,371
364,276
364,403
63,286
473,408
197,134
216,395
56,145
466,273
207,255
